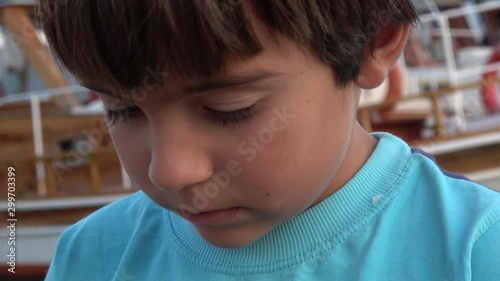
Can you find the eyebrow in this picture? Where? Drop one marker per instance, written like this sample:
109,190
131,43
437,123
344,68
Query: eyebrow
209,84
230,81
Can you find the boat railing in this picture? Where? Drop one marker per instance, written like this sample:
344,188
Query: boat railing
460,12
434,96
453,73
41,95
46,180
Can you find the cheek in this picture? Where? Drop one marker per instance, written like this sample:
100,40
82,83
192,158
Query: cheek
293,167
132,149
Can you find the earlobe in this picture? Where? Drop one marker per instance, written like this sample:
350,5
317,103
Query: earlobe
389,45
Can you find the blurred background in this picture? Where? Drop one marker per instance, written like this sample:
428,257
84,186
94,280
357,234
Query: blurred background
442,97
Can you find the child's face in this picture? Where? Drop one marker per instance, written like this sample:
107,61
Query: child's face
267,164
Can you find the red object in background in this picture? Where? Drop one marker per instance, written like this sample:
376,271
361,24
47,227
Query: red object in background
24,273
489,92
93,97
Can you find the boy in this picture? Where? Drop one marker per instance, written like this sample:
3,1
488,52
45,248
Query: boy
237,121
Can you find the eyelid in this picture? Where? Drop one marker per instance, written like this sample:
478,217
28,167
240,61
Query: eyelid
232,104
233,97
227,108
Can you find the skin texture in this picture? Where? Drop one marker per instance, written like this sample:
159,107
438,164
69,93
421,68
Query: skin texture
301,144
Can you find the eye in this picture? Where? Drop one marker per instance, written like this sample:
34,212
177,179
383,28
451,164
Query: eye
126,114
225,118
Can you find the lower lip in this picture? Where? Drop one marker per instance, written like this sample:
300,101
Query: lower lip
213,217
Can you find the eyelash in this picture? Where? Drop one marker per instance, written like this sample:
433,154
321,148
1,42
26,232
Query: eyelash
222,118
122,115
226,118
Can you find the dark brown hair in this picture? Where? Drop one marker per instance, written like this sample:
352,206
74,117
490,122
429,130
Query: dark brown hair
111,43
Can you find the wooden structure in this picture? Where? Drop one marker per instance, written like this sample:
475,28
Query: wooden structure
16,15
78,166
76,151
17,145
474,151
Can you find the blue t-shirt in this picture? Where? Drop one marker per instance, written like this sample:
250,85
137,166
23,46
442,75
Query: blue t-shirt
399,218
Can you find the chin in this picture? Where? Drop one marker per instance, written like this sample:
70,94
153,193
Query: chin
229,239
229,242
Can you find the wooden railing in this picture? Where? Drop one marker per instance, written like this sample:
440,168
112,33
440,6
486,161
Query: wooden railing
51,178
435,98
40,174
18,21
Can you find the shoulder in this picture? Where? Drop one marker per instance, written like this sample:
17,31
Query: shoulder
455,189
117,220
98,243
469,214
452,221
485,264
424,184
124,213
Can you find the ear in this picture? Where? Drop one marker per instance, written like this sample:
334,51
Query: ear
390,44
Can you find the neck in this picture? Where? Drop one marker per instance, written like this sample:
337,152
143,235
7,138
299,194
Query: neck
360,148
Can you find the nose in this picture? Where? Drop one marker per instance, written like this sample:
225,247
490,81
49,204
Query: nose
178,157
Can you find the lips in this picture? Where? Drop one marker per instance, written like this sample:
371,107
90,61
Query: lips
211,217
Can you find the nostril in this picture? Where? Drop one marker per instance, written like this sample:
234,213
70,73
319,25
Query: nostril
168,188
